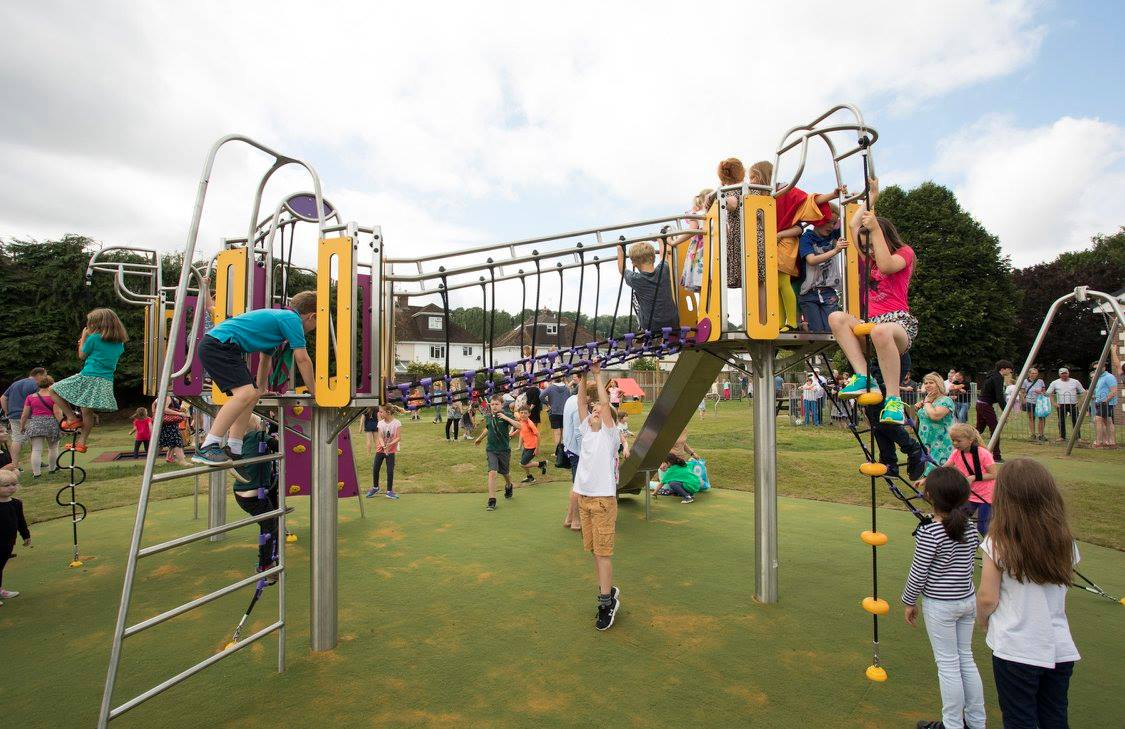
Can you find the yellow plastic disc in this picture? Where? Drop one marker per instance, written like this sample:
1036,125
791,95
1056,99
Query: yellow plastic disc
863,328
302,390
876,605
876,673
875,539
298,409
873,469
298,449
290,538
870,398
294,489
339,485
76,563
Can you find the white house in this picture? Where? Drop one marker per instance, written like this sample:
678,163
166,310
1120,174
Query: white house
420,336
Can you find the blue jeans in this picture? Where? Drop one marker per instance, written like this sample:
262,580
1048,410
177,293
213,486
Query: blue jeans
949,623
816,305
984,515
961,411
812,412
1031,696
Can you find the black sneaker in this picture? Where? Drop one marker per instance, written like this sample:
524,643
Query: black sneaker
929,725
238,475
528,479
916,465
508,491
606,614
491,505
543,467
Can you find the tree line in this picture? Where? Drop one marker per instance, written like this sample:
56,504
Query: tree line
973,307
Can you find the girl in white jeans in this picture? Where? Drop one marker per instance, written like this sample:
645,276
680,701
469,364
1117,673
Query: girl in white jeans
942,572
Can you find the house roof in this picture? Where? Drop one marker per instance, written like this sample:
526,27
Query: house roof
411,325
563,336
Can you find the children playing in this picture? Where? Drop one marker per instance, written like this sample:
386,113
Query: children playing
942,573
1029,559
223,354
596,485
259,494
171,430
387,437
141,432
12,521
892,264
679,478
100,347
38,424
819,269
499,426
529,439
651,283
975,462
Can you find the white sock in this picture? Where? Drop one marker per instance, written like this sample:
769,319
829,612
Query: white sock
235,445
212,440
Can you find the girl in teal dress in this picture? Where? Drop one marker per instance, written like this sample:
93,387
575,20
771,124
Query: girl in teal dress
99,347
935,417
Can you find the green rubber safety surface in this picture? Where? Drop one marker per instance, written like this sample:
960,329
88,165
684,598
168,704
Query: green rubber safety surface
453,617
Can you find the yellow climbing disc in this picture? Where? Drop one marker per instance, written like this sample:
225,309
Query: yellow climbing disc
873,469
298,449
76,563
875,539
294,489
863,328
876,605
298,409
870,398
290,538
876,673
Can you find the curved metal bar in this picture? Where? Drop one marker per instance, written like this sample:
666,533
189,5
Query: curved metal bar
124,292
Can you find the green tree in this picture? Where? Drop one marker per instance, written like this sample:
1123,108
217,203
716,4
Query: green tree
962,290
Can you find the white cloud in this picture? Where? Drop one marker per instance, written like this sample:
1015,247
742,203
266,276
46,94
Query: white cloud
436,109
1042,190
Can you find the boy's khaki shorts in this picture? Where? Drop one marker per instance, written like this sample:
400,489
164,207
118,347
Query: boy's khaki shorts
598,515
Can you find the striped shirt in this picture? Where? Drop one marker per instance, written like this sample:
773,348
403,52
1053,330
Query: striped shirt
942,568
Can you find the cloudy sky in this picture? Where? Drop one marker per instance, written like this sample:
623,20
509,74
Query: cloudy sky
452,124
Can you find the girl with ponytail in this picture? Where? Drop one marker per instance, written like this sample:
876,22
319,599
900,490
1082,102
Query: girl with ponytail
942,572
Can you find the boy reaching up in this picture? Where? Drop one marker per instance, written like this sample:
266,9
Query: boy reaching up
223,354
595,482
651,282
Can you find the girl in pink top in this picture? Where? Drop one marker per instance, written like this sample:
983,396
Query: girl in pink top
972,459
142,431
386,446
892,264
40,426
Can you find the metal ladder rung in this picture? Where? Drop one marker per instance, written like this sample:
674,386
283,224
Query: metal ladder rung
200,470
230,526
199,601
188,673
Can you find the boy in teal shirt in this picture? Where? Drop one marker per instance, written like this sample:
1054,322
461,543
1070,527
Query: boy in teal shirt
223,354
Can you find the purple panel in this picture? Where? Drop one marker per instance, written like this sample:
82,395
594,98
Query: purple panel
363,382
298,460
304,206
258,302
191,384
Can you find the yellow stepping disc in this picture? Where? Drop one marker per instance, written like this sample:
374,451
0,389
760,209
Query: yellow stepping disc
863,328
76,563
875,539
873,469
870,398
876,673
294,489
876,605
289,539
298,449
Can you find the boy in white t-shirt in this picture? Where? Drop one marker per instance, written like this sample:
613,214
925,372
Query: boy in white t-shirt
595,482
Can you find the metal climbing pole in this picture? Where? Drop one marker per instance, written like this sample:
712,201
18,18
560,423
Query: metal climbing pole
765,474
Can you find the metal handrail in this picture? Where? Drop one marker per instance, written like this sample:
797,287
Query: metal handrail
200,470
204,534
199,601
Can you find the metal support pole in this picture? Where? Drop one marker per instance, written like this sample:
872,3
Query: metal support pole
648,494
322,607
765,474
217,503
1085,406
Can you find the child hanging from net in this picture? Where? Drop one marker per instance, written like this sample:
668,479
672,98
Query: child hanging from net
651,282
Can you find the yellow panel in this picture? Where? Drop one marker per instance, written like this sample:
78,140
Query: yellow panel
633,407
230,286
759,234
711,287
851,271
688,302
335,391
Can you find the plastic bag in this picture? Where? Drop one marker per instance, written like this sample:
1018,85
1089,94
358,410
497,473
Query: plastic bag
699,468
1042,406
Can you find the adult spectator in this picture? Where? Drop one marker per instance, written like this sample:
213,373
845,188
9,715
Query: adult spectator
1105,402
957,390
556,395
810,399
1066,390
11,402
935,417
1029,393
907,389
992,394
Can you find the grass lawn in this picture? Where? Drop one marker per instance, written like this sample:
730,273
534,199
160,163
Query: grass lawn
450,616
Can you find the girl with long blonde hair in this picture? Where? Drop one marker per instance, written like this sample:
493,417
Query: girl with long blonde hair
99,347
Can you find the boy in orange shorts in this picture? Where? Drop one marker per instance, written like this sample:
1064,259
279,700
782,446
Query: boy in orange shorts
595,482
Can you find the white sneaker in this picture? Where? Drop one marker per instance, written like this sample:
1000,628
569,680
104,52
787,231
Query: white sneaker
8,594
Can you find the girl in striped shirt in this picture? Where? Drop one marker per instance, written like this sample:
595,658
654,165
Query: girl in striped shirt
942,572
